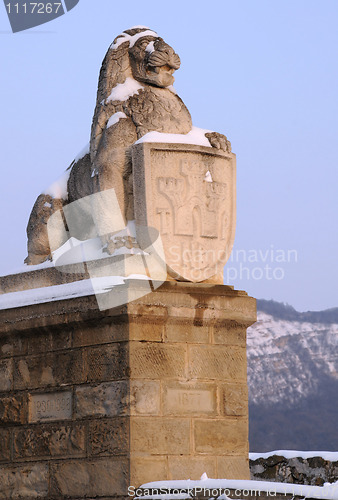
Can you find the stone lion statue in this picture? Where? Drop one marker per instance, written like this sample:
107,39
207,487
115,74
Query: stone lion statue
135,96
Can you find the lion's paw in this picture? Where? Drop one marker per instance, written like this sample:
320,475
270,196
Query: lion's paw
219,141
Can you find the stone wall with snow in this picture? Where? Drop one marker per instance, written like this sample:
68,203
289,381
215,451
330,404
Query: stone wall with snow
311,468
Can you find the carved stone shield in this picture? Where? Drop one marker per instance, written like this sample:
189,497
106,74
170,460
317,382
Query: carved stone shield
187,193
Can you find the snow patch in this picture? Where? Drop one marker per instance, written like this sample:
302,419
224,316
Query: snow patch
124,37
115,118
330,456
328,491
134,38
27,269
48,205
59,188
75,251
123,91
172,89
63,292
196,136
150,47
208,177
82,153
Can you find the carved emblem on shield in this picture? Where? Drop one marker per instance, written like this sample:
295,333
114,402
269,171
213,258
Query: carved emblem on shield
187,193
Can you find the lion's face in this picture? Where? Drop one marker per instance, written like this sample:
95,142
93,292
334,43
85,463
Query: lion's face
153,61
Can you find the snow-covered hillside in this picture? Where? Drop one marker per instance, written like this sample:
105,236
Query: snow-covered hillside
292,375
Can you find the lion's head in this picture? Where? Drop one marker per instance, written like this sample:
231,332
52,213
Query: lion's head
141,54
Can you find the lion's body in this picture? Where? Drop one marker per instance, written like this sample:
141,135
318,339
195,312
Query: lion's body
138,56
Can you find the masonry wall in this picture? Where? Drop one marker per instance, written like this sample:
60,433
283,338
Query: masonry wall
314,471
94,401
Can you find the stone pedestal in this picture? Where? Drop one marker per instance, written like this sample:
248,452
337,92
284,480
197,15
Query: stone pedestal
94,401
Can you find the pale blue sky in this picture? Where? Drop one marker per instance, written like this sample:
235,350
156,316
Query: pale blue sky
262,72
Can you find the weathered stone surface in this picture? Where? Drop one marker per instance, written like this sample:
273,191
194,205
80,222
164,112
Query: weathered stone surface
118,398
90,335
168,406
109,362
13,409
154,360
81,479
6,374
313,471
190,467
52,369
18,344
106,400
5,444
28,481
196,219
12,345
142,329
160,436
221,437
189,398
146,469
233,467
217,362
109,437
50,406
234,399
187,332
144,397
229,333
49,441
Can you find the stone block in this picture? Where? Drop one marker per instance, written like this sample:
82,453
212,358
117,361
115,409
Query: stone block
61,339
190,467
147,469
233,467
108,437
104,400
94,334
189,398
50,406
234,399
144,397
149,307
28,481
186,331
217,362
5,444
154,360
40,343
44,441
151,331
221,437
12,345
108,362
13,409
160,436
229,333
96,478
6,375
57,368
